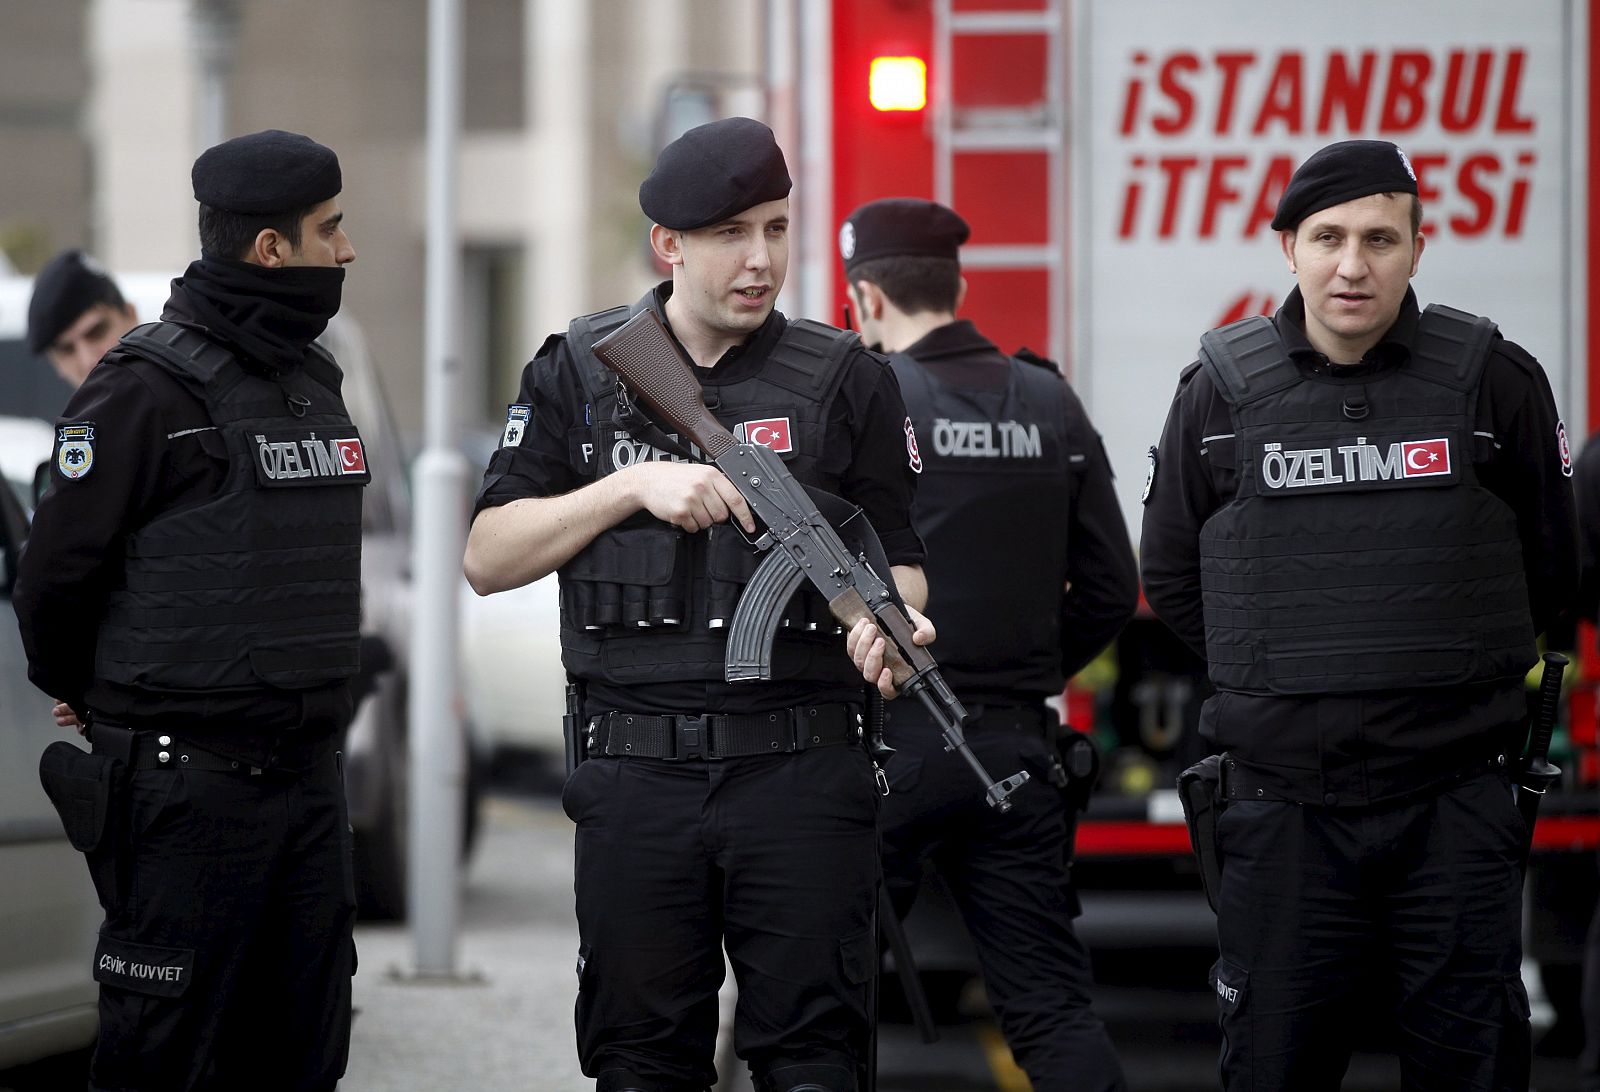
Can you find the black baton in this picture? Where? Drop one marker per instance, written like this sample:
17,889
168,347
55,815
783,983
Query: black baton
1537,774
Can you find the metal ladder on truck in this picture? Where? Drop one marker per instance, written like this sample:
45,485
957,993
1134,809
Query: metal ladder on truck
1039,127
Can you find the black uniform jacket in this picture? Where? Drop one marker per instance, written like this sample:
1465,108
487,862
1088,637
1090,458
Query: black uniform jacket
1104,582
865,437
1364,747
153,452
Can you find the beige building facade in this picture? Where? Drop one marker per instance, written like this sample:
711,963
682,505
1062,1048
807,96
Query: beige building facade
565,103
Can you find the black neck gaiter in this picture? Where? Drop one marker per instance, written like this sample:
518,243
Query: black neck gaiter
269,316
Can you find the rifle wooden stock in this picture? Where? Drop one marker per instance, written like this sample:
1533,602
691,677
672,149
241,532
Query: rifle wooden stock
643,352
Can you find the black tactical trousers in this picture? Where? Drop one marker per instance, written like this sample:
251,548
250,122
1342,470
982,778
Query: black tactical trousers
774,857
1589,1058
1406,913
1009,876
226,956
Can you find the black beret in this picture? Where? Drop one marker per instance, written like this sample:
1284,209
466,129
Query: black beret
712,172
1343,172
67,286
901,227
266,172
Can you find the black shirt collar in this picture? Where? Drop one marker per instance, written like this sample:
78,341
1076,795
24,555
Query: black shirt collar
1392,350
739,361
958,338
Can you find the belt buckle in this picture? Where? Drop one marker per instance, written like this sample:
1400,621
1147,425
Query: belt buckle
690,737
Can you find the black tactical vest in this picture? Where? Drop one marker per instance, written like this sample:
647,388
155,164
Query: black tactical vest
1360,553
994,508
647,602
260,586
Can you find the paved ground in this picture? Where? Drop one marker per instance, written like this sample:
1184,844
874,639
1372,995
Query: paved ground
510,1028
511,1031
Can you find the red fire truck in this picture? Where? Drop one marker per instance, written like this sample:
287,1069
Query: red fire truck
1119,164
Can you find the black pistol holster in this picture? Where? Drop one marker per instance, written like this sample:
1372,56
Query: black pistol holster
1199,791
83,787
1075,768
87,789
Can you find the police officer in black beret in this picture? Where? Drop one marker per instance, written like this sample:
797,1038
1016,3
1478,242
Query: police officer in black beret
190,595
1030,574
708,814
75,314
1360,514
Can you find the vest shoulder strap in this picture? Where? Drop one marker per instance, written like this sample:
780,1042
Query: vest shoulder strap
187,354
1028,356
588,329
916,387
1042,381
582,333
205,365
322,368
1247,360
1452,347
1038,380
809,359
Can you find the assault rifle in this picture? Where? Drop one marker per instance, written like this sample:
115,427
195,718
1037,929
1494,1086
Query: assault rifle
803,544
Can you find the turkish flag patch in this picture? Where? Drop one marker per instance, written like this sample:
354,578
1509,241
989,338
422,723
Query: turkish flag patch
771,433
1424,458
352,460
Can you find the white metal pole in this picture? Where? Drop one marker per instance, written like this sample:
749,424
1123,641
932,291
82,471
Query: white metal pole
216,29
779,38
818,229
437,740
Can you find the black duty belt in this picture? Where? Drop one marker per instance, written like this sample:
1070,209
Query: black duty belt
149,750
1245,781
714,736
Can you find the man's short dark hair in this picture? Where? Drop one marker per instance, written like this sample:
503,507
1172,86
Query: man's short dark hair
232,234
913,284
1416,212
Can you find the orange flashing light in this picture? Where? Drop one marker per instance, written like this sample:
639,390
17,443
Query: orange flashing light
898,83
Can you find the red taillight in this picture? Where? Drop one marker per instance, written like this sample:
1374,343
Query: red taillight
898,83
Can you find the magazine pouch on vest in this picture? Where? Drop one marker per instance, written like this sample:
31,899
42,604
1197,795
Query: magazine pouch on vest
993,505
646,601
259,586
1360,553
